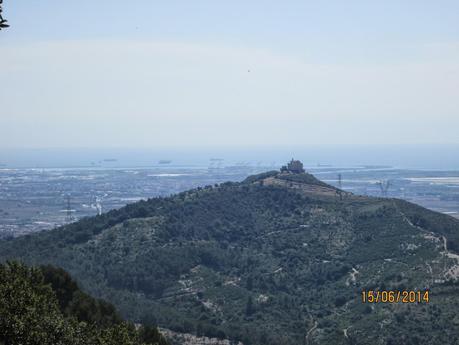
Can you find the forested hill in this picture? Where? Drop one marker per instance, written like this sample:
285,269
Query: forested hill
43,305
276,259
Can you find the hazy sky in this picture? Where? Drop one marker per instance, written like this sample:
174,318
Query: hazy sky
233,73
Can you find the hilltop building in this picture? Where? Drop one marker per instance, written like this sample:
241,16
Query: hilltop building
294,167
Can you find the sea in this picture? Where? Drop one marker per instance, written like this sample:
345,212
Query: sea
419,157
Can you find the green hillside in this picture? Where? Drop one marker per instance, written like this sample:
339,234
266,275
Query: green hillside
277,259
45,306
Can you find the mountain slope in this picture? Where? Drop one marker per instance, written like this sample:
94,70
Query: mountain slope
277,259
45,306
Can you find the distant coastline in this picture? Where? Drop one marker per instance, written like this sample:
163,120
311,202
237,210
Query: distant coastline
432,157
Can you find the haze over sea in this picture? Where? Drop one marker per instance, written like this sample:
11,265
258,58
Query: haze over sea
431,157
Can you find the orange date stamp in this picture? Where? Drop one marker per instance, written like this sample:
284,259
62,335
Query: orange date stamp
395,296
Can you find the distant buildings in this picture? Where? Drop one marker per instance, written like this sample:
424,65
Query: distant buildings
294,167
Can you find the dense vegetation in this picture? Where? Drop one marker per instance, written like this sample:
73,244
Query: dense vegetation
45,306
264,264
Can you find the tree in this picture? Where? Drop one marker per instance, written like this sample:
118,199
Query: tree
30,312
249,307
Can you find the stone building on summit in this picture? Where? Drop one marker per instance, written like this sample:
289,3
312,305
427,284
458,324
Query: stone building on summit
294,167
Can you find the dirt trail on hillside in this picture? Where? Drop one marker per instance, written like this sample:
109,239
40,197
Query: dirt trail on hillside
453,271
312,329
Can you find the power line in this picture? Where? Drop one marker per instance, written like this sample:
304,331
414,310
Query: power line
69,218
384,185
